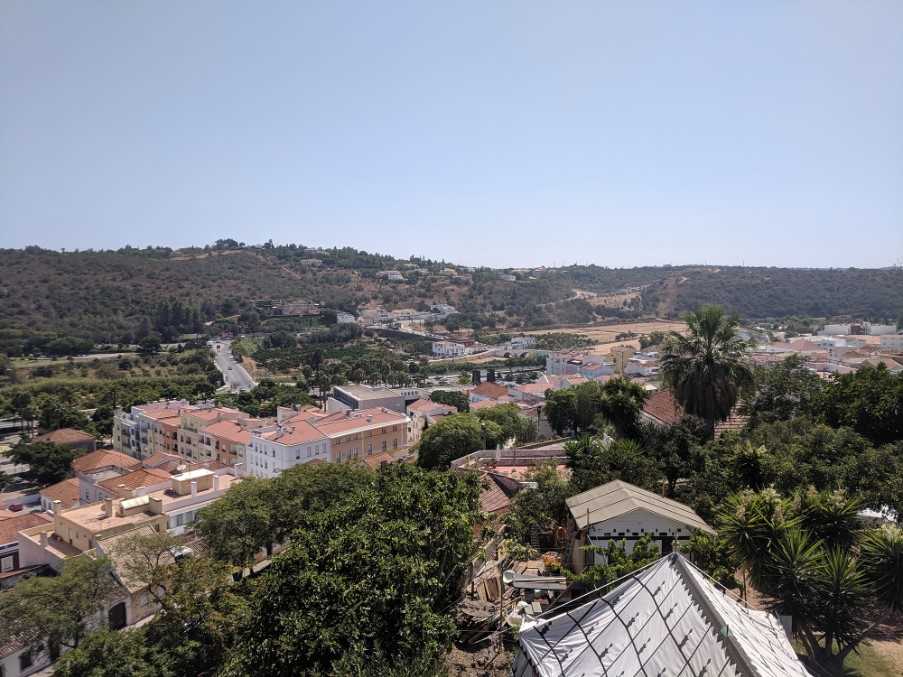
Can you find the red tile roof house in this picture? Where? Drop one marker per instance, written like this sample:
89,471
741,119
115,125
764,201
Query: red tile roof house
66,492
70,438
10,569
662,409
98,466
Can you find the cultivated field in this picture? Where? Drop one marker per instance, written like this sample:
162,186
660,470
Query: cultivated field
606,334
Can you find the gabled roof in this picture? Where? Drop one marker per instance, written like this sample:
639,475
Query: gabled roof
666,619
11,526
65,491
617,498
662,406
66,436
229,430
104,458
490,389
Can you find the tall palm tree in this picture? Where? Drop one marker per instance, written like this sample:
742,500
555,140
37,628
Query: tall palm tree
706,369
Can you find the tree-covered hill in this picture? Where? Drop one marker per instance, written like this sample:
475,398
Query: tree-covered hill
121,296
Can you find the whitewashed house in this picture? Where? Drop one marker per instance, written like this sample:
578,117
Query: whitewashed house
618,511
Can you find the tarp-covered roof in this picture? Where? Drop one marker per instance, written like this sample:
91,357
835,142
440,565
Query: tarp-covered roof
667,619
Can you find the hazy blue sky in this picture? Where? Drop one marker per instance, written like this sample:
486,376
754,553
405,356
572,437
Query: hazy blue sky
485,132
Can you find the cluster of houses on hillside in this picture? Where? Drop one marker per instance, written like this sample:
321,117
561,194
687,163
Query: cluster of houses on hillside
828,354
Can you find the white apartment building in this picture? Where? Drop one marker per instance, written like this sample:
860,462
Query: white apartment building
315,436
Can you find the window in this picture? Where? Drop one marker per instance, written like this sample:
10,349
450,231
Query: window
180,520
395,443
7,564
384,445
370,447
25,660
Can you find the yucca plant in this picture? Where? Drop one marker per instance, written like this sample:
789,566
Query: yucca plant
881,558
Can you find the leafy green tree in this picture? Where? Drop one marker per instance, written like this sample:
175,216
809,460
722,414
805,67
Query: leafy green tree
47,463
870,401
784,391
595,460
112,653
706,369
367,584
54,413
199,612
620,403
617,563
452,437
513,424
150,344
675,448
561,410
452,398
240,524
541,509
713,555
57,610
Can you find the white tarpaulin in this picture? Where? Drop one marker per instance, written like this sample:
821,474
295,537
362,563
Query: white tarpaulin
667,620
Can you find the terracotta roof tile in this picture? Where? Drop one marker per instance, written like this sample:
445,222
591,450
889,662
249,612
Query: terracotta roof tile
490,389
124,485
103,458
65,491
11,526
65,436
662,406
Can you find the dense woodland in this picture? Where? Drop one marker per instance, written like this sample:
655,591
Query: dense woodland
122,296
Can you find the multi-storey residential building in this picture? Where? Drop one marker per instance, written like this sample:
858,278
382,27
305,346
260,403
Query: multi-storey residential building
147,428
171,427
314,436
227,441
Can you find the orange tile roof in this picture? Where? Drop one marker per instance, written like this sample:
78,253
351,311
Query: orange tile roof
158,411
295,431
363,419
65,436
104,458
65,491
10,527
490,389
428,406
124,485
492,498
376,460
159,458
662,406
228,430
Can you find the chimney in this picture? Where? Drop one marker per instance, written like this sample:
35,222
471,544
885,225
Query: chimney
194,487
44,539
108,507
57,506
216,482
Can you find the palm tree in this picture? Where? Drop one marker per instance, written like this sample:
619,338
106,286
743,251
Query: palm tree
706,369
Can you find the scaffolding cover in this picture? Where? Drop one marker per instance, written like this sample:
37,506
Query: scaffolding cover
666,620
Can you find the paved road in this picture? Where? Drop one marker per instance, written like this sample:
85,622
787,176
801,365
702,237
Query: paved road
235,375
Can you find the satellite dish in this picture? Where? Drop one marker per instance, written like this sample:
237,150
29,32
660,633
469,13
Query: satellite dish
508,576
